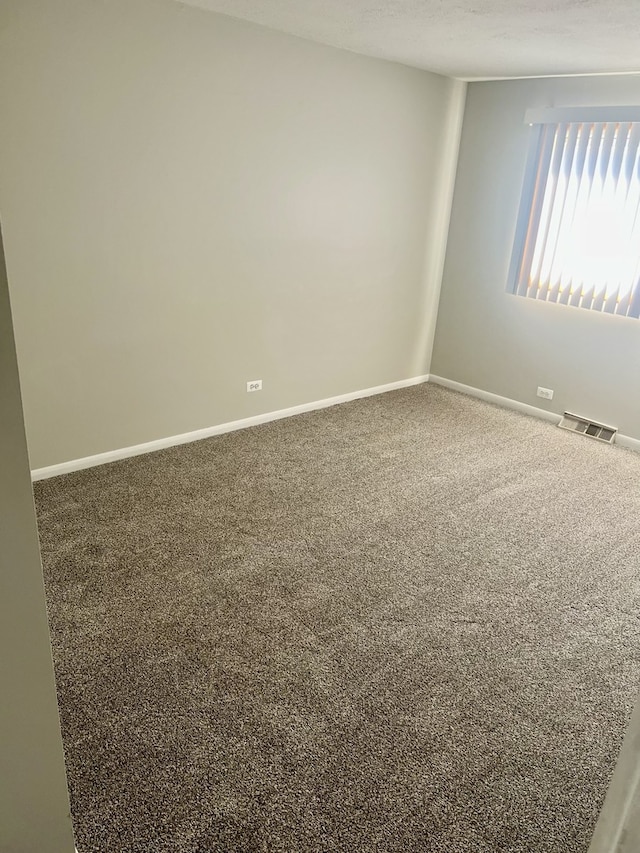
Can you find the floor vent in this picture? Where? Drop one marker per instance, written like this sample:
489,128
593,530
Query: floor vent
575,423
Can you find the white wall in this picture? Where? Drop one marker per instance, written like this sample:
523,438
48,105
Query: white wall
618,827
34,806
191,202
505,344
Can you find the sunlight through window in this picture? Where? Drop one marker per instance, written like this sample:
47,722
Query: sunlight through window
582,245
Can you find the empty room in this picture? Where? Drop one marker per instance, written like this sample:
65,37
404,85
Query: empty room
320,432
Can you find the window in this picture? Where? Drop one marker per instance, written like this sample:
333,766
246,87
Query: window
578,236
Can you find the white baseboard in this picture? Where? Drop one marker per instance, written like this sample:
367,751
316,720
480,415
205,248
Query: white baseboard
197,435
628,442
507,403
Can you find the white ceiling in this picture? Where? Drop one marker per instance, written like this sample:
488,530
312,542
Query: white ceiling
470,39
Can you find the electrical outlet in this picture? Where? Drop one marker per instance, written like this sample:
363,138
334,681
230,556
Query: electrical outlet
254,385
545,393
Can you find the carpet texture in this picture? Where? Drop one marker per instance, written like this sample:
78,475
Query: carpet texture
407,623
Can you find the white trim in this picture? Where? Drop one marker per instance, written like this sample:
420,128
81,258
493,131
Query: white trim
535,412
219,429
505,402
547,76
627,441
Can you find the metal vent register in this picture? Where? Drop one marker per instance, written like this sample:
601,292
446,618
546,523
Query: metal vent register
592,429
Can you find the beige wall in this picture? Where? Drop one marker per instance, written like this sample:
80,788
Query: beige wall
191,202
509,345
34,807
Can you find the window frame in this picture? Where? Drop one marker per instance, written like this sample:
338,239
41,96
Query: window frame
537,170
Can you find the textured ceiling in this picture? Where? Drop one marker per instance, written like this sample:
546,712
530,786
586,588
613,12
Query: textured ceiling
463,38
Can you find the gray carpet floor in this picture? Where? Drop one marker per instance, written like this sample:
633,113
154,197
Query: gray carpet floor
407,623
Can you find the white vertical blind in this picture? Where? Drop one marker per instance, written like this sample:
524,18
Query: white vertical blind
582,245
